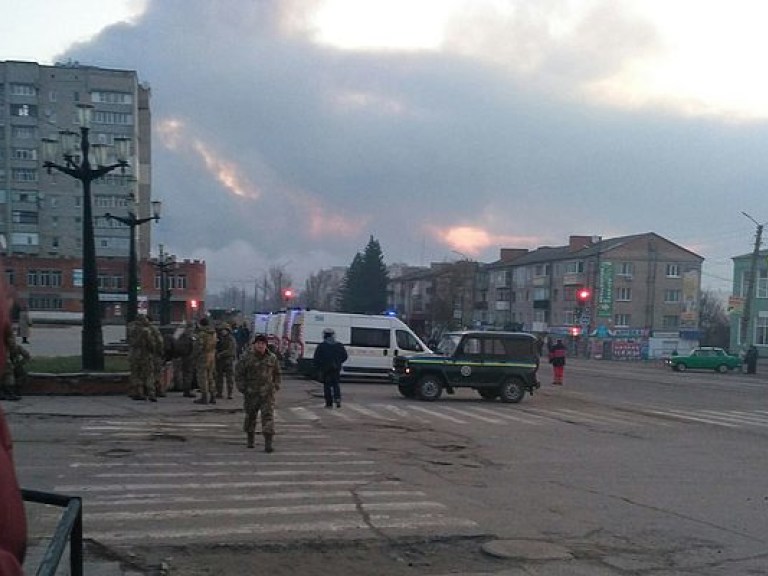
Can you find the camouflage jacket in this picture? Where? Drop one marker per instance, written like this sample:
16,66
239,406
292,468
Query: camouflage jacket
258,374
226,347
205,343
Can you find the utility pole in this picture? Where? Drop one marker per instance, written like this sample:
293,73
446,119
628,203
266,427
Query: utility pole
745,334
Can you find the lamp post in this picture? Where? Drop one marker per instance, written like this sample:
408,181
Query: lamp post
133,276
165,263
77,164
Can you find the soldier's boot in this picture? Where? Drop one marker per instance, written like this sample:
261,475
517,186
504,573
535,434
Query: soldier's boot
251,436
268,443
202,400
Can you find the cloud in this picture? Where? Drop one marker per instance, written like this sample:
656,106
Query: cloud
271,147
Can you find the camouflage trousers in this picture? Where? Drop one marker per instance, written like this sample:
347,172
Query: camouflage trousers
206,378
225,372
254,404
183,373
142,377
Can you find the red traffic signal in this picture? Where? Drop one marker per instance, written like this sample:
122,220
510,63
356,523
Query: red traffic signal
583,294
287,293
193,304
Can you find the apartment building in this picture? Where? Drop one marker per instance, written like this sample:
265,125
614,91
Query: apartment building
631,296
754,329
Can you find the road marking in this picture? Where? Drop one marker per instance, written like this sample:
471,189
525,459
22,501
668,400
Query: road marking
468,414
438,415
198,474
684,416
599,418
304,414
366,412
215,485
506,416
735,417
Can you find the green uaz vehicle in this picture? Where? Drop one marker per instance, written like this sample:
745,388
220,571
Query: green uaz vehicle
496,364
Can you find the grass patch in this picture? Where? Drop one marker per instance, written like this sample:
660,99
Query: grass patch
70,364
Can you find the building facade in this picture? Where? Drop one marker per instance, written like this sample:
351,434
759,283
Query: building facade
751,330
632,296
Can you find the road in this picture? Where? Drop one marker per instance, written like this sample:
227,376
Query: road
627,469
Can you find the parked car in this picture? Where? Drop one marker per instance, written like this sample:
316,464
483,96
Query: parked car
496,364
705,358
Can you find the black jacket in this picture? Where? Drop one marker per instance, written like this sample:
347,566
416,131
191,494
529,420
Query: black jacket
329,356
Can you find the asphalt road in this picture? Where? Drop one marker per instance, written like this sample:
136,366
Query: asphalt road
627,469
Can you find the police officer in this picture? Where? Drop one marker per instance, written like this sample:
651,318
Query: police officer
329,356
258,377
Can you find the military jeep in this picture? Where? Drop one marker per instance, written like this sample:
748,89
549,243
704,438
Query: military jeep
496,364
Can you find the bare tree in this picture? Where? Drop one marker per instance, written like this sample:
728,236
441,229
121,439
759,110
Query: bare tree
713,320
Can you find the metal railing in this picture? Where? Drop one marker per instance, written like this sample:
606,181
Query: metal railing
70,528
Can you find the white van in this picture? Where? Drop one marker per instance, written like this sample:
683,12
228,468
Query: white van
371,341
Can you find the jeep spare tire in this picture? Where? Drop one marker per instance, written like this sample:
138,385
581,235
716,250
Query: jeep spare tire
429,388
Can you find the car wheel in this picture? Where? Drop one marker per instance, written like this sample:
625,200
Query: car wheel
430,388
488,394
722,368
512,391
406,391
681,367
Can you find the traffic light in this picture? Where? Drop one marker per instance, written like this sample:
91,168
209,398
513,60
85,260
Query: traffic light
193,304
583,294
575,331
287,294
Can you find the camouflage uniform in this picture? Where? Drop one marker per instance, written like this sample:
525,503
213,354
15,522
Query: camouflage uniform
158,357
226,349
15,373
205,361
258,378
141,349
183,364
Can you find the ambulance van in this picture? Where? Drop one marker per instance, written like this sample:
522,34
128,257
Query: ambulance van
371,341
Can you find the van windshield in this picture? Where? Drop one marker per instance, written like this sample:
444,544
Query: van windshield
448,344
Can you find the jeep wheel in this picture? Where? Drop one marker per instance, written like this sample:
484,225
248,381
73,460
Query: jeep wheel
512,391
429,388
406,391
488,393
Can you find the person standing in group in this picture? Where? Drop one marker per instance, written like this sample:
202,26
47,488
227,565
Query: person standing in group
557,359
258,377
24,325
183,366
141,349
750,358
242,336
157,357
226,349
329,356
205,361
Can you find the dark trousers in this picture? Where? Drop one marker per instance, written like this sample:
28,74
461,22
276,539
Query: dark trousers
331,388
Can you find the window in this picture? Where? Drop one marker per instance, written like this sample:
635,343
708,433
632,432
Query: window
470,347
55,242
49,278
24,110
23,90
24,217
574,267
406,341
541,293
10,276
24,154
569,318
671,321
179,282
626,269
673,270
622,320
369,337
623,294
24,174
114,118
110,282
45,302
541,270
21,239
24,132
761,331
29,196
53,96
761,288
672,296
105,97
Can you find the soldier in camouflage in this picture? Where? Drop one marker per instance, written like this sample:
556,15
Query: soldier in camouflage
141,349
257,375
226,349
205,361
183,364
15,373
158,357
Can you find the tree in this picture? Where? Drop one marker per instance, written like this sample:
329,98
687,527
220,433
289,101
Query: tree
713,320
318,291
278,280
364,290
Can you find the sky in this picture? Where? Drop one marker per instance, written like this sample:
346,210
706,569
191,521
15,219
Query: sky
286,133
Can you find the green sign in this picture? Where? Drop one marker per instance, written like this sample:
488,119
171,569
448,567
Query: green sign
605,290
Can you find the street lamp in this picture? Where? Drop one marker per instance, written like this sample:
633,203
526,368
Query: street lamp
133,276
77,164
165,263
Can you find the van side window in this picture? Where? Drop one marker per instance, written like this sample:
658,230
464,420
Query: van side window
406,341
369,337
519,348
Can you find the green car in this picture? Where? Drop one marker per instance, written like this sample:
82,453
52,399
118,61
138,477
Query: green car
705,358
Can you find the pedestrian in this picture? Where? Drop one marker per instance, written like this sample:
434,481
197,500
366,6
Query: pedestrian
329,357
141,350
24,325
557,359
14,373
258,377
242,336
750,358
157,357
183,366
205,361
226,350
